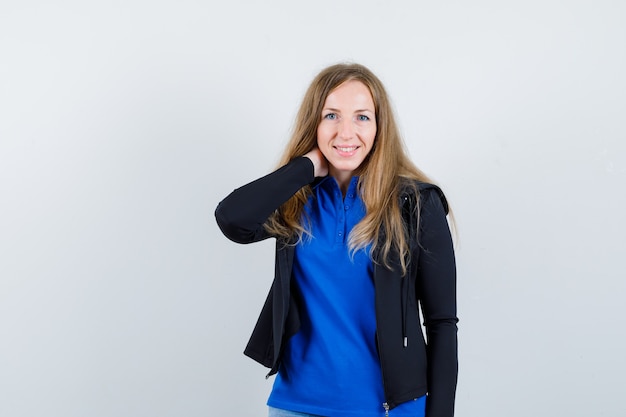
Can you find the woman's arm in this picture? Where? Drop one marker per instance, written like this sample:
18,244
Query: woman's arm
437,287
243,212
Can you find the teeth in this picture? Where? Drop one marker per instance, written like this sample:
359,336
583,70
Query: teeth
349,149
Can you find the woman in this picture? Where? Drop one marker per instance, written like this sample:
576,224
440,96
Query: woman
361,240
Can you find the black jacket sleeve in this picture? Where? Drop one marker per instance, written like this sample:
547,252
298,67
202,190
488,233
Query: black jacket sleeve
437,288
241,215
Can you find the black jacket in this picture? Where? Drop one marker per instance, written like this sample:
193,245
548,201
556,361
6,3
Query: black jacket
410,367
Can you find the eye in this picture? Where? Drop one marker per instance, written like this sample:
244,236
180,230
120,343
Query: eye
330,116
362,118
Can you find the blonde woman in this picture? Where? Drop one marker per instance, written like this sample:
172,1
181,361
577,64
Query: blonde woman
362,243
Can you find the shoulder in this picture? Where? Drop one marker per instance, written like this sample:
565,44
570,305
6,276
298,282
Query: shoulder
427,192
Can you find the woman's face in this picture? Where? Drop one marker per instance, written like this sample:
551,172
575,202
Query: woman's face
346,132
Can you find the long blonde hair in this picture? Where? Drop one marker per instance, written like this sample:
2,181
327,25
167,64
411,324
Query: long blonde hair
380,174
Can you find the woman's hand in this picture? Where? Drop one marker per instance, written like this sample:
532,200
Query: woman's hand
319,162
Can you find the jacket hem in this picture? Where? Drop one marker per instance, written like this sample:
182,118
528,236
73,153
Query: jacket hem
258,357
396,400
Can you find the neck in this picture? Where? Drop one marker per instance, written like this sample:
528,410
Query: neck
343,180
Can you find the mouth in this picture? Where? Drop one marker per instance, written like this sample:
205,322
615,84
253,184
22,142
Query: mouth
346,149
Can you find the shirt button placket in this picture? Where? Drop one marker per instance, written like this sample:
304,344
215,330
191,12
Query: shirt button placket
342,219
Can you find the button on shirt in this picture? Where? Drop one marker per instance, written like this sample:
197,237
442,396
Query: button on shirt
331,367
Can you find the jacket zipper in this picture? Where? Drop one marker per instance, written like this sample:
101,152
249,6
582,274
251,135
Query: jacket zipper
382,373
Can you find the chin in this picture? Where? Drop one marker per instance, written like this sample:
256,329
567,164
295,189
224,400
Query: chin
351,168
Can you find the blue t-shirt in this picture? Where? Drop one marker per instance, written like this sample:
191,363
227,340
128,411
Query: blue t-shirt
331,367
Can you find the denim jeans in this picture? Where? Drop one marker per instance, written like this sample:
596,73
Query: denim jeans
279,412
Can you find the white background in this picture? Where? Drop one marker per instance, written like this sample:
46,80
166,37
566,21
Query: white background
123,123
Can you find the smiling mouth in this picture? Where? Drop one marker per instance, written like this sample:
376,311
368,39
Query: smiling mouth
346,148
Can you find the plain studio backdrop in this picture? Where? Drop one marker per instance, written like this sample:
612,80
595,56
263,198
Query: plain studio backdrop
124,123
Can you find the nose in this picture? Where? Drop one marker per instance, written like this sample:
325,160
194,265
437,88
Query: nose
346,129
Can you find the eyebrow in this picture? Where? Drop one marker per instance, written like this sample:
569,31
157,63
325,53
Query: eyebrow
356,111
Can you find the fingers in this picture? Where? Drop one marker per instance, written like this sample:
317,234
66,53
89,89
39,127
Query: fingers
319,162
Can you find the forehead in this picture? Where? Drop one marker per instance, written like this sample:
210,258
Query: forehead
352,92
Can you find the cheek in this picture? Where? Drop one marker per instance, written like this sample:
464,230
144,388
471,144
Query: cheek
322,135
371,137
